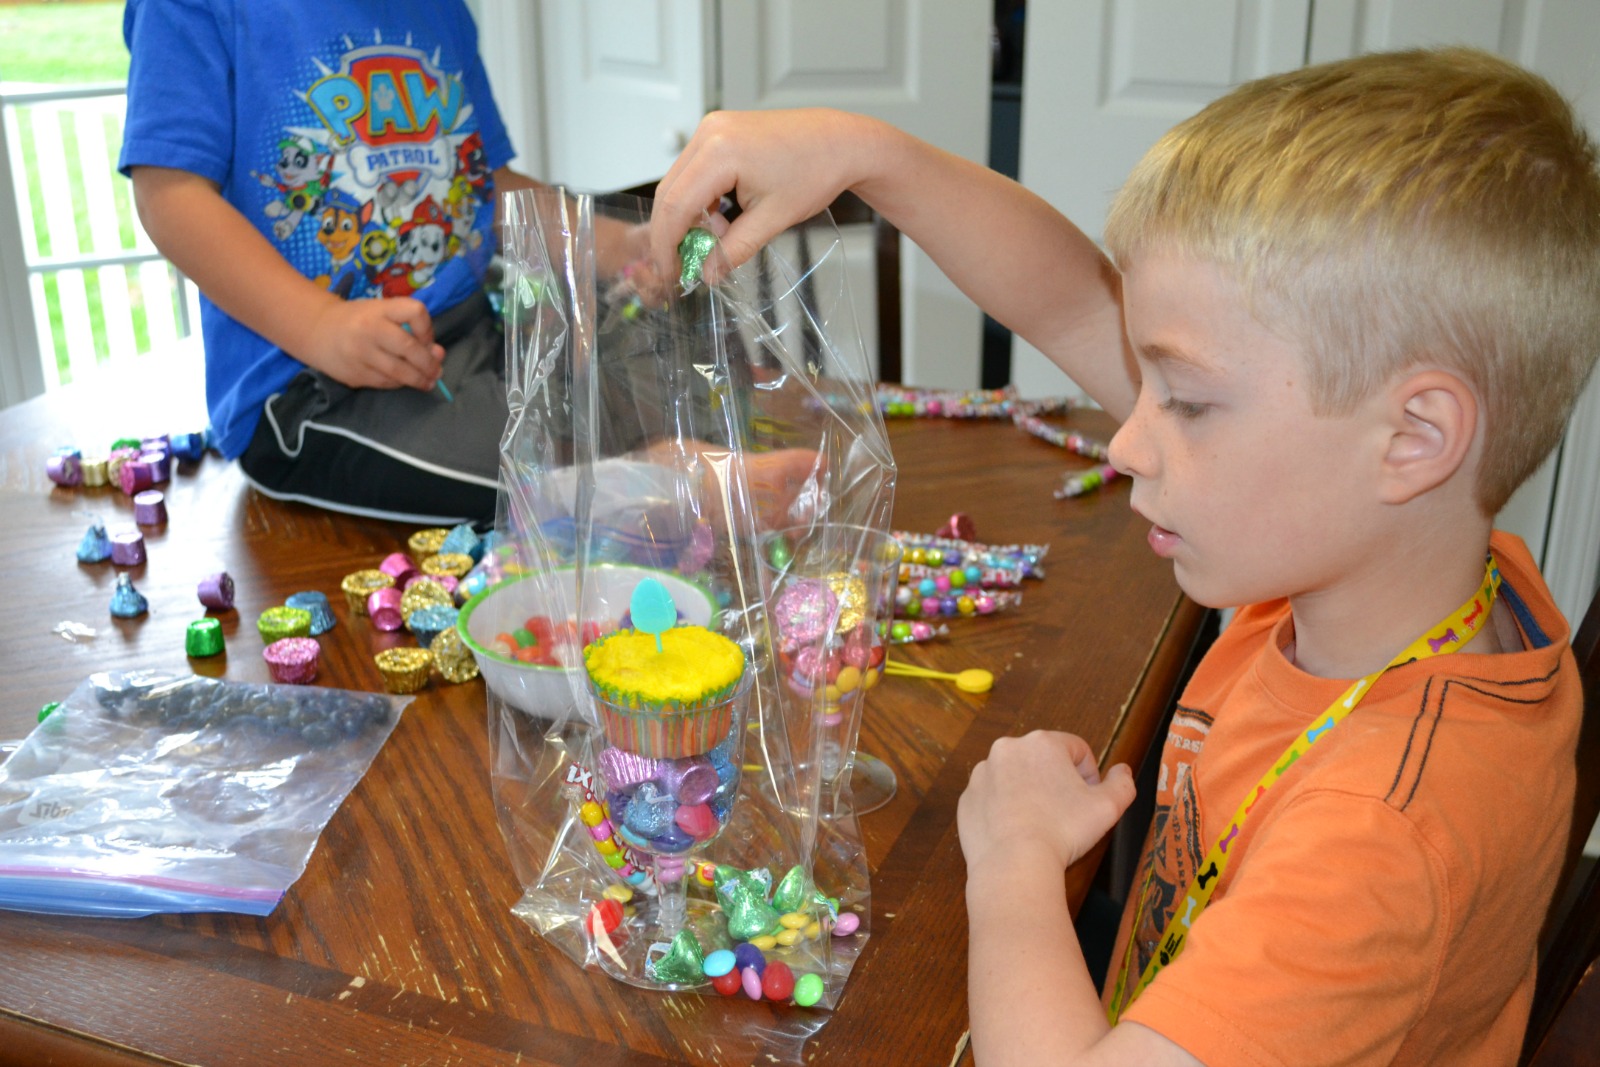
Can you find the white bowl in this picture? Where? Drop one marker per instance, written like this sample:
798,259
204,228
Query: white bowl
548,692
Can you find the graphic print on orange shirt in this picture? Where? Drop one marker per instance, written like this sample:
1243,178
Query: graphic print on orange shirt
1174,848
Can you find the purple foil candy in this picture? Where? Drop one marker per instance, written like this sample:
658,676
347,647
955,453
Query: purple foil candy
160,464
692,780
150,507
805,611
65,468
216,591
672,839
95,546
127,548
126,601
159,443
624,770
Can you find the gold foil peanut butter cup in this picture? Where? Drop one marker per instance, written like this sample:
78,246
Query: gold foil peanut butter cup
405,670
362,584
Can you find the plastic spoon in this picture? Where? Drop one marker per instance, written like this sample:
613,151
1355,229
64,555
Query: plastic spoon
971,680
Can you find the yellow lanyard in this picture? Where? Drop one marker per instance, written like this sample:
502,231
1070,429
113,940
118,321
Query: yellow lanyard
1453,631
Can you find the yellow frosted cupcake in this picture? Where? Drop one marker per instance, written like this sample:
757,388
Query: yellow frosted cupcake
667,704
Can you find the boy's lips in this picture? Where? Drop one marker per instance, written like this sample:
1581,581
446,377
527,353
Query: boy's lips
1163,541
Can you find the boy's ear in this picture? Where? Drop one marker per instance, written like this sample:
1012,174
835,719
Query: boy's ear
1433,423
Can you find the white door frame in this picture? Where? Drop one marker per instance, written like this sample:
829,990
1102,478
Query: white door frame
21,372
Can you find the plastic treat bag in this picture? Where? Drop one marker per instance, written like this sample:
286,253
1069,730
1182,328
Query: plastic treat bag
671,432
149,792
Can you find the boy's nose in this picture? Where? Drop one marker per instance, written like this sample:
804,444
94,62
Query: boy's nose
1129,447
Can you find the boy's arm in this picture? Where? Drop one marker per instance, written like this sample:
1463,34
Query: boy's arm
357,342
1031,810
1012,253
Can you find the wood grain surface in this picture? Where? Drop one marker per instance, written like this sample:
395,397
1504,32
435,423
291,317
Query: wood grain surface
397,945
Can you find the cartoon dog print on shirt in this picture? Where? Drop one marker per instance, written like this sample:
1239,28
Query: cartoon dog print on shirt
389,165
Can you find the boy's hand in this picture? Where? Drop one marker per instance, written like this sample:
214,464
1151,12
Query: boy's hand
1039,796
375,344
782,167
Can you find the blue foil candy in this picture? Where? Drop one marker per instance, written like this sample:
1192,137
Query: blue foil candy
464,540
650,811
322,618
126,601
188,446
95,546
431,620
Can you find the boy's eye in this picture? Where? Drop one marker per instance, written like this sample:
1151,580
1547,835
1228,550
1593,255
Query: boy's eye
1184,409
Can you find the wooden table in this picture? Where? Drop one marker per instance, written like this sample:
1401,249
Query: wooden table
397,945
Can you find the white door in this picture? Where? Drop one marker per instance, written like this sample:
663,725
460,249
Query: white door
625,82
1102,81
922,65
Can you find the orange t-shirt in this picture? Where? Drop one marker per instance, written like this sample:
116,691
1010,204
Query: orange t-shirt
1383,900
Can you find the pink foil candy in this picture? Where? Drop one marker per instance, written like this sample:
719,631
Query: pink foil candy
293,660
805,611
959,528
135,476
398,566
383,607
697,820
624,770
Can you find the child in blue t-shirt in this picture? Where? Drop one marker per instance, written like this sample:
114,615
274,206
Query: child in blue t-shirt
326,174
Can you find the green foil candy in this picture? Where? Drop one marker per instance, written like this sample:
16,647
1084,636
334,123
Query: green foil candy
790,896
204,637
695,247
683,964
744,904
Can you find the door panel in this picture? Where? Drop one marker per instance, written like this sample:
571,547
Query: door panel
625,83
1103,82
918,64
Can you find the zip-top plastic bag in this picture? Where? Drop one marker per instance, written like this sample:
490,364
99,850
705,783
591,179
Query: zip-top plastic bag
723,442
148,792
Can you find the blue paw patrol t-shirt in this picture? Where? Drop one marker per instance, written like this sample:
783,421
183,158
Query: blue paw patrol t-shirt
359,136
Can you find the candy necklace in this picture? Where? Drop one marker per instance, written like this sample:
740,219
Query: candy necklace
1451,632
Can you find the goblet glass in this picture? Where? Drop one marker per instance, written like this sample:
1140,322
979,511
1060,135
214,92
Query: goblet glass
829,586
671,777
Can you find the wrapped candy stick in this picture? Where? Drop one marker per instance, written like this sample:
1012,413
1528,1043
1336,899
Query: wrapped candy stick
1002,574
910,604
1070,440
1087,481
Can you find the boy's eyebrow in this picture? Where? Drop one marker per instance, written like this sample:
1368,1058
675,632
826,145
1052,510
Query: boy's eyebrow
1163,354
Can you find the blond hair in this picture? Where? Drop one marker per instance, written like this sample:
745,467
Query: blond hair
1438,207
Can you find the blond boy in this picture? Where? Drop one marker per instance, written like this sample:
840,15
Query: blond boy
1351,310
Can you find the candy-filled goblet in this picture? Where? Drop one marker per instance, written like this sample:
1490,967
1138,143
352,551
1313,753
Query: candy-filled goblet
828,587
670,765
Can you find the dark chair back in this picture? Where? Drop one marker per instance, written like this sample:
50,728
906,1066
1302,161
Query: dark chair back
1564,1025
851,210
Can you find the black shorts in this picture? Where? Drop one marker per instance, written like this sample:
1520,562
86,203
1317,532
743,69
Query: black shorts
397,454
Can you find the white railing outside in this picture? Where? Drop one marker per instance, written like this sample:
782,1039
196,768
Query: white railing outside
100,290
